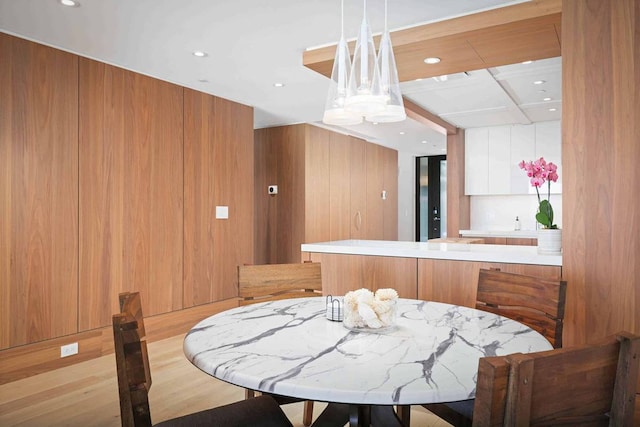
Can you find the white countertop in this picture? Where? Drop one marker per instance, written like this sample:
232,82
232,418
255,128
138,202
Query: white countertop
288,347
512,254
512,234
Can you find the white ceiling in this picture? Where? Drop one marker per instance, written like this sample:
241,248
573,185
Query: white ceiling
252,44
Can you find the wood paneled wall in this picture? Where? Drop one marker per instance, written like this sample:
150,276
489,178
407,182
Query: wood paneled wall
458,204
130,192
329,188
108,182
317,192
38,192
278,162
218,166
600,155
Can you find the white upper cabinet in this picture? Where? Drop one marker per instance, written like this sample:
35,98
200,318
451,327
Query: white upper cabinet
549,146
523,147
492,155
499,160
476,160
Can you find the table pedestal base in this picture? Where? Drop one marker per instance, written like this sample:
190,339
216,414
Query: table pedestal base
338,414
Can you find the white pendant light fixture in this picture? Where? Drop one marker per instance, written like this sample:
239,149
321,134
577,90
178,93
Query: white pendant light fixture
334,111
364,95
367,87
390,85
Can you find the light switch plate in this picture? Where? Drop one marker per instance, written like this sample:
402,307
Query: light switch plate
222,212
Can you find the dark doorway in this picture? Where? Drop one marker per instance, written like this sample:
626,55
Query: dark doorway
431,203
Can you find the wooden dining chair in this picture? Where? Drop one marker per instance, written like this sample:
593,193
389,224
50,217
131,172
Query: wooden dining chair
589,385
134,382
536,302
268,282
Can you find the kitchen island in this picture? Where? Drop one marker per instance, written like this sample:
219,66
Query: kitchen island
444,272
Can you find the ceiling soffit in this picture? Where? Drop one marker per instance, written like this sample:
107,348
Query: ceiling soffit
525,31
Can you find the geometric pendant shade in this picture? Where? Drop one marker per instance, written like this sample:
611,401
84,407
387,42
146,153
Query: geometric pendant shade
369,85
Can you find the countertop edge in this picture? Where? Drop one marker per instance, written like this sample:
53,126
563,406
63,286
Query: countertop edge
509,254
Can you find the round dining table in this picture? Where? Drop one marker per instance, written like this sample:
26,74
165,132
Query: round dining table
289,347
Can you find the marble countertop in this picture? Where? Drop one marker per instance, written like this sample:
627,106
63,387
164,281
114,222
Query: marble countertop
513,254
288,347
510,234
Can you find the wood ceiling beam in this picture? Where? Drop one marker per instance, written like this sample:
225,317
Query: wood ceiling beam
507,35
427,118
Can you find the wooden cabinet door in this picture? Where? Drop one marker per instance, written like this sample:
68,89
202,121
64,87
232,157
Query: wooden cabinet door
339,187
131,192
456,282
218,147
374,223
342,273
390,201
358,190
316,186
38,192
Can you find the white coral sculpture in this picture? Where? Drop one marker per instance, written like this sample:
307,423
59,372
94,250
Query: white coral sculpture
363,308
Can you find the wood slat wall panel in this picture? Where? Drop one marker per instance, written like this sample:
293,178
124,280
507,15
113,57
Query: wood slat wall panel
358,186
131,183
279,160
316,187
342,273
218,146
456,282
600,151
38,192
340,193
458,204
390,204
375,184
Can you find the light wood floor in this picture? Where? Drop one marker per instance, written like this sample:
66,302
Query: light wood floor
86,394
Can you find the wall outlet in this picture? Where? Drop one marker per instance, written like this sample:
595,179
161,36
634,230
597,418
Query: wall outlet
69,349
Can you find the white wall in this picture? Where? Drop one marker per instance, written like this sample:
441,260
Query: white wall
406,196
499,212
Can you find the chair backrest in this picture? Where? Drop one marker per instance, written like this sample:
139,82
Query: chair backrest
491,391
536,302
132,361
268,282
587,385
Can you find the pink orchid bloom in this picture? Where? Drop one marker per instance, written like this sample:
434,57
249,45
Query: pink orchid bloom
539,172
537,182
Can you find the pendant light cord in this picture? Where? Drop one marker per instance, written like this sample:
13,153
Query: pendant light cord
385,16
341,18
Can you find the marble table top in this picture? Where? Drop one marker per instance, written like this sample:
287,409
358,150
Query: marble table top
289,347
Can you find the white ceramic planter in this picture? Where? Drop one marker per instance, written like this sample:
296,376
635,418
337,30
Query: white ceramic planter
550,241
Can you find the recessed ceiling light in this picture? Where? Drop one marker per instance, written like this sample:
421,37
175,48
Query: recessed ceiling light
539,82
70,3
527,62
199,53
547,99
401,133
375,123
431,60
553,109
424,142
278,84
